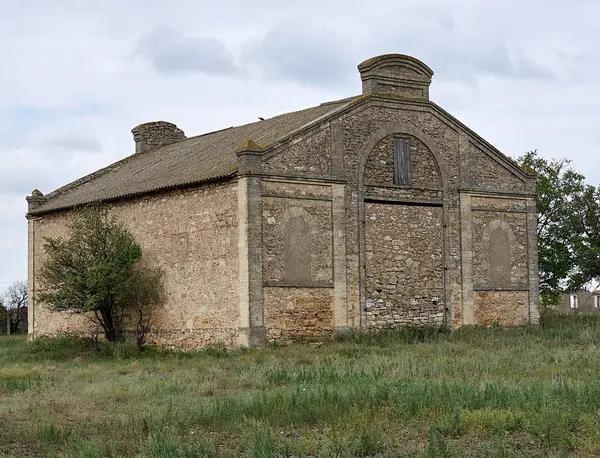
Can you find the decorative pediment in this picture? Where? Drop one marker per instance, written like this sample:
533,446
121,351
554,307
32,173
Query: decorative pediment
401,75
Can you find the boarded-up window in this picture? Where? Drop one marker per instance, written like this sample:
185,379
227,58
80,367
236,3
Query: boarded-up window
402,166
597,301
297,251
499,259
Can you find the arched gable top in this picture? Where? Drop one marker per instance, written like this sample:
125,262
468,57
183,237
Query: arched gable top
376,164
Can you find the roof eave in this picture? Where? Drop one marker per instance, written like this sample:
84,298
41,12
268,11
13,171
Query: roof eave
221,178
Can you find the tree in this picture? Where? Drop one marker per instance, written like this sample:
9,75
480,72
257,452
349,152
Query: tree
586,222
15,302
97,272
567,229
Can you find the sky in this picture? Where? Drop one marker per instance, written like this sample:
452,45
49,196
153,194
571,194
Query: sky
76,76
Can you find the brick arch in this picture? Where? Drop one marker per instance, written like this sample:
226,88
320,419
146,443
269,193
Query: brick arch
399,129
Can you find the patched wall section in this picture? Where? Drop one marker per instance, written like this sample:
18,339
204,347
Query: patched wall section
404,265
297,260
192,235
501,307
299,313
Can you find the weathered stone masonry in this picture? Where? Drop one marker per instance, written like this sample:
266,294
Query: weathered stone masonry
308,231
192,235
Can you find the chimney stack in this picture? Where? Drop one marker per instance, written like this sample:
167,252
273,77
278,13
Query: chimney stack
152,135
397,74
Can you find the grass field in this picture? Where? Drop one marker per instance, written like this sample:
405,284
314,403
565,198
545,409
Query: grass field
494,392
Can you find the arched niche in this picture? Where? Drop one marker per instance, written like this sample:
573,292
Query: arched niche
386,159
297,257
498,243
499,259
299,230
401,130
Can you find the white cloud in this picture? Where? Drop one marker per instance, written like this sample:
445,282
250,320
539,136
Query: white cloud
169,51
77,76
305,52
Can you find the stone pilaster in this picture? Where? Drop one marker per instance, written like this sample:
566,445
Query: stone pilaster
31,283
468,308
252,329
340,298
532,252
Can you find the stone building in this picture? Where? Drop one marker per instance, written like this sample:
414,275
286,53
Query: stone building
375,211
580,302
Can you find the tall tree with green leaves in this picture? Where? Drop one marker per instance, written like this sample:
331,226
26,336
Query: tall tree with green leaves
568,223
96,271
586,222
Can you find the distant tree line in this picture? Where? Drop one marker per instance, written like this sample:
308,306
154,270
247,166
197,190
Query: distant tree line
568,227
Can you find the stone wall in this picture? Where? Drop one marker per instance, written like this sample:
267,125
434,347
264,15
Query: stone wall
404,266
305,224
308,158
488,225
498,267
298,313
489,175
509,308
297,260
41,320
364,130
363,138
193,236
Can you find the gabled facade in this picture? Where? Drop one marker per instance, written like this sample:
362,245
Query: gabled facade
376,211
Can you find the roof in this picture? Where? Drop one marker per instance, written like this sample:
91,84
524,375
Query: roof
194,160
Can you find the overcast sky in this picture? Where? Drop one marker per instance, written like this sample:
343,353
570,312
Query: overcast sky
78,75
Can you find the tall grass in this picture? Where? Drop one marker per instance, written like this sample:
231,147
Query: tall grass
529,391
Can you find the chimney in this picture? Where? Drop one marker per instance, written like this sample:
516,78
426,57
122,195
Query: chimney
397,74
152,135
